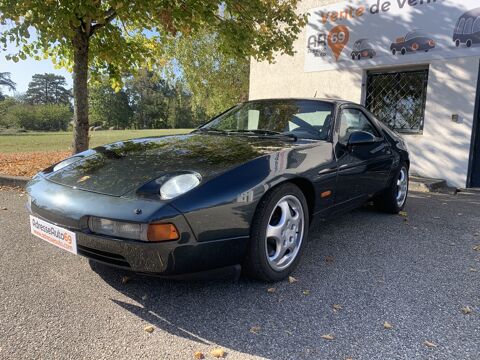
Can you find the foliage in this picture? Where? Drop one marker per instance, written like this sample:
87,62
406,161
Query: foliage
48,89
216,80
109,108
5,81
115,37
5,106
48,117
129,35
159,104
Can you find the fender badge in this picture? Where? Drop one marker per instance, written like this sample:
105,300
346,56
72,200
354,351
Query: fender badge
137,211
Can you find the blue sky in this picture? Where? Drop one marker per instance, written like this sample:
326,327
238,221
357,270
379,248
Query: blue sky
22,71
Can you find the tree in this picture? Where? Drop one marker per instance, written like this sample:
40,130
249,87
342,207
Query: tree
116,36
216,80
47,89
6,82
108,107
151,98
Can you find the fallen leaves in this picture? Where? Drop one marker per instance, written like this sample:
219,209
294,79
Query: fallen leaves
218,353
337,307
271,290
473,269
149,329
329,259
83,178
291,279
125,279
429,344
306,292
387,325
476,248
466,310
403,213
255,329
3,208
199,355
328,337
29,163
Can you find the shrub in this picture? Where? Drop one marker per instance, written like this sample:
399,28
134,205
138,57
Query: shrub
38,117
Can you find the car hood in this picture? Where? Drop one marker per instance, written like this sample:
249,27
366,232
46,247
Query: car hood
121,167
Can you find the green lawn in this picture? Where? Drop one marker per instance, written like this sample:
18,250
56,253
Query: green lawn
61,141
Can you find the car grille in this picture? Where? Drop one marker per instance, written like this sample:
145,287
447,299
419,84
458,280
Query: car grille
103,256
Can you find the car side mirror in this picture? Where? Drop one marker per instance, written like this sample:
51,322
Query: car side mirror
361,138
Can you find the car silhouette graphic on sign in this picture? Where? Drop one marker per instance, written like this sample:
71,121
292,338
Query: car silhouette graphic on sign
414,41
467,29
362,49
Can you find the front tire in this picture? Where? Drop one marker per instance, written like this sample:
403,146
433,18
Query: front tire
393,199
278,233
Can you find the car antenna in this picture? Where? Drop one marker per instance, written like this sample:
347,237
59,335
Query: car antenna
315,94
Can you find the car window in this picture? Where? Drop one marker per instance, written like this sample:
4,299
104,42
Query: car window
304,118
354,120
468,26
461,25
476,25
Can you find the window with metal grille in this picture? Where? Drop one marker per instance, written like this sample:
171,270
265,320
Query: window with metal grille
398,99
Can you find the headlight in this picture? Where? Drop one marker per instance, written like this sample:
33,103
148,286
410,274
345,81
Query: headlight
179,185
66,162
136,231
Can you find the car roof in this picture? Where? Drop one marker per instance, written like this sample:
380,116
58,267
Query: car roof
329,100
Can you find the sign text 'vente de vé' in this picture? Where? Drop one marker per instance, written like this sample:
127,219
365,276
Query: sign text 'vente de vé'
376,8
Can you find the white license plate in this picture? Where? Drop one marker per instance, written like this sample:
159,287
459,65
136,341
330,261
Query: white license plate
54,234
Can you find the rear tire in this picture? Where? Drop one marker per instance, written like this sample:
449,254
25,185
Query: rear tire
393,199
278,234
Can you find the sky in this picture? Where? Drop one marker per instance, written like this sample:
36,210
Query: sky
22,71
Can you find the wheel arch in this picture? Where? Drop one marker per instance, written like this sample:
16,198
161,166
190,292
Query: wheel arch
305,186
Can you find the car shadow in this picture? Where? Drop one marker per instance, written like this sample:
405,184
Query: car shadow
248,316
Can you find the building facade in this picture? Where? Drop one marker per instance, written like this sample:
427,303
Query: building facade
413,63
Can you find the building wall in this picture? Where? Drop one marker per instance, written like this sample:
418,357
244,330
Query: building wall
442,151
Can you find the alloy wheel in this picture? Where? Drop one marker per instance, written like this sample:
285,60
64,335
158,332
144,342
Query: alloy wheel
402,187
285,232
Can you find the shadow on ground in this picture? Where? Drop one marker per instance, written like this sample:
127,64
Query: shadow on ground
411,271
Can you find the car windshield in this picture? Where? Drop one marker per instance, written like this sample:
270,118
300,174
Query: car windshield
308,119
361,45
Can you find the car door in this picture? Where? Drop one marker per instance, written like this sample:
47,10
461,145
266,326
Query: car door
362,169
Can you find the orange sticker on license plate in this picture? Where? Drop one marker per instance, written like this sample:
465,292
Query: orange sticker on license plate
54,234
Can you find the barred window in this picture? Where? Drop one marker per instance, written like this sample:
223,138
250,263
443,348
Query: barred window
398,99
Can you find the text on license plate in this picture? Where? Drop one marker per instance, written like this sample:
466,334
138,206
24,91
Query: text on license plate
54,234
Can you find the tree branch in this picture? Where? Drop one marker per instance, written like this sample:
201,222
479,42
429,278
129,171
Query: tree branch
110,14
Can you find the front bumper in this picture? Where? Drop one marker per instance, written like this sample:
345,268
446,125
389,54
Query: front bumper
182,256
164,258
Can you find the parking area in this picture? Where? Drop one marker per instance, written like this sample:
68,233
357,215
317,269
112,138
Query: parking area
419,272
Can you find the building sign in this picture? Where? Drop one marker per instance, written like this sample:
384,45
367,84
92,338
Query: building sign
371,33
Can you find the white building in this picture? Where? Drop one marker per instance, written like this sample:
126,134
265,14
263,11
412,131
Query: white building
422,82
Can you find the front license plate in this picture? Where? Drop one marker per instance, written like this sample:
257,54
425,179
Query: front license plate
54,234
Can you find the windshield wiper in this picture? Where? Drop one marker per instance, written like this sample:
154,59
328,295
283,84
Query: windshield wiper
210,130
262,132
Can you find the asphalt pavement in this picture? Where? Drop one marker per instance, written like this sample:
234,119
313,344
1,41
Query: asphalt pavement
418,272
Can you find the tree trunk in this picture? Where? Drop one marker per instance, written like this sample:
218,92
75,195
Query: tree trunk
80,92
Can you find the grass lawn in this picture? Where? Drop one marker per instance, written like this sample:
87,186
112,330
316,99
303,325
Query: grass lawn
61,141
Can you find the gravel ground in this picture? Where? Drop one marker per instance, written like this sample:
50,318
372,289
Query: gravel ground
415,272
